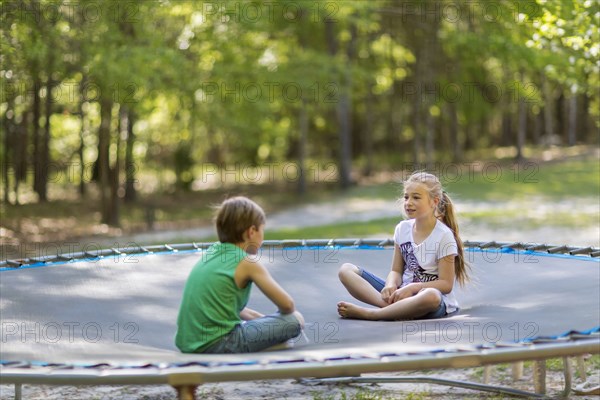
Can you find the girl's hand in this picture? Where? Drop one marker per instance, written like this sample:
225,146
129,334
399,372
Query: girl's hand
405,292
387,293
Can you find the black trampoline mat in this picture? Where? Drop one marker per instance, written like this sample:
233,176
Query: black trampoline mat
123,310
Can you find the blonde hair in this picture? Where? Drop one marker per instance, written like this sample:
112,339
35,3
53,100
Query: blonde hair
445,213
234,216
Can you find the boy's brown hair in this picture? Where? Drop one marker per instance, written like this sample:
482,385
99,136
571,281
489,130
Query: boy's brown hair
234,216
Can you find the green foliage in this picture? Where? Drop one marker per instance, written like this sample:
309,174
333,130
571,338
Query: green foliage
230,82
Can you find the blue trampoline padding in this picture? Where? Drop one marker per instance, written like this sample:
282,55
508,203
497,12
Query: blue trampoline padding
507,250
123,310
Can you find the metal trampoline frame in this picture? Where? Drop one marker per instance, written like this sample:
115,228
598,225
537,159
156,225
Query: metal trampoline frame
186,377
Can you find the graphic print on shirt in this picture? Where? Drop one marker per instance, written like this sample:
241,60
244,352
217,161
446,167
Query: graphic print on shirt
412,264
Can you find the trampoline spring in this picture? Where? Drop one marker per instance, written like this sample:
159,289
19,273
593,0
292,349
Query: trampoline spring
183,246
386,242
593,252
489,244
37,260
177,247
291,243
345,242
145,250
584,336
515,245
581,250
271,243
314,242
89,255
368,242
15,263
559,249
537,247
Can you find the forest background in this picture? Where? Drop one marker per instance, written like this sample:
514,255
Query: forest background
125,115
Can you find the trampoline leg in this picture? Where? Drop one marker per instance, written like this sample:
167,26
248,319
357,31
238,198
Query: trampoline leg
517,371
568,371
487,374
581,368
18,391
539,376
186,392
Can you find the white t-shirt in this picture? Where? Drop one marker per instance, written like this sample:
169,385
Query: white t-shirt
421,261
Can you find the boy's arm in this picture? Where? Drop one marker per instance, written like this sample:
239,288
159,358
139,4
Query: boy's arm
255,272
248,314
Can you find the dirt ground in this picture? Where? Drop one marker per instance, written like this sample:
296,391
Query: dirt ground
499,375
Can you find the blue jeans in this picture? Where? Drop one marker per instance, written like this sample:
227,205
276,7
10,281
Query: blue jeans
257,334
379,284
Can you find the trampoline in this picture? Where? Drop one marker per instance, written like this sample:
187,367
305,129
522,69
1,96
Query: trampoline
108,317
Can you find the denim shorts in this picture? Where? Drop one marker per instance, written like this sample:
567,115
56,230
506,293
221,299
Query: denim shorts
257,334
379,284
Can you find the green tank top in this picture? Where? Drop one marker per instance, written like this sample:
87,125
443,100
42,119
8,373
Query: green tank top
211,303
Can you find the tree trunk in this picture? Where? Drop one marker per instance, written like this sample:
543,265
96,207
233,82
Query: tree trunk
344,106
115,170
22,163
35,134
303,137
548,117
560,116
521,128
45,143
82,134
454,128
416,131
572,120
395,121
6,163
130,167
586,125
345,140
538,122
368,134
103,162
429,139
19,161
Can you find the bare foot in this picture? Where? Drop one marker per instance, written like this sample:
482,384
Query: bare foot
349,310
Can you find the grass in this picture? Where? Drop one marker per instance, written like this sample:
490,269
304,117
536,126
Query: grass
497,181
494,181
383,227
